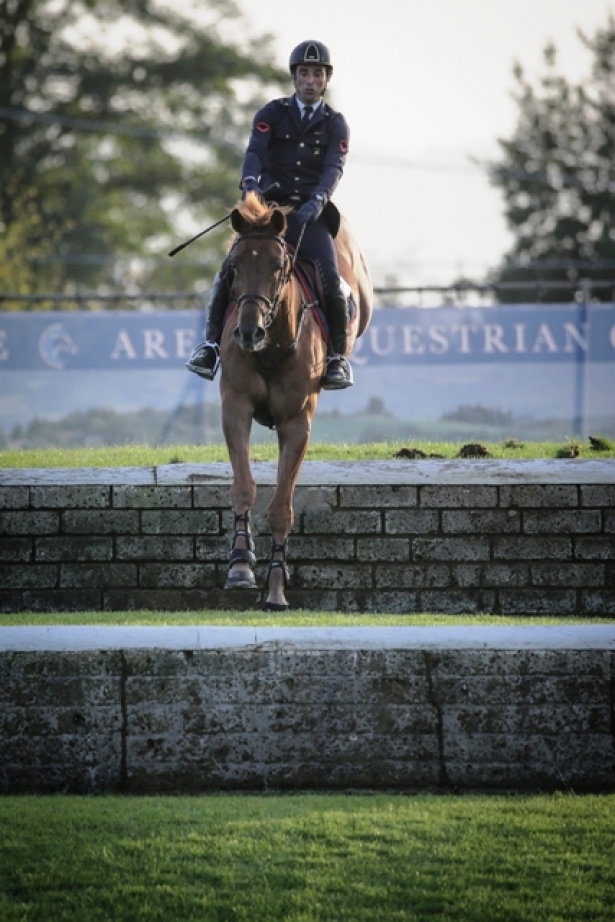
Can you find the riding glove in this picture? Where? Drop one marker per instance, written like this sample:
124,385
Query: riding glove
311,211
250,185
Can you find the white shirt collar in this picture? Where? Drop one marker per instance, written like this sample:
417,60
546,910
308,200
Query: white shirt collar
302,106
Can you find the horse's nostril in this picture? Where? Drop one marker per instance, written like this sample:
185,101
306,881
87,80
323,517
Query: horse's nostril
250,340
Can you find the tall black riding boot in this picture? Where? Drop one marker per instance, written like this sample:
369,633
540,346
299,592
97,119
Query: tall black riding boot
338,373
205,359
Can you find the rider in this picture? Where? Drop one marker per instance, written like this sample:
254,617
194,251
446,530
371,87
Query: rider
298,148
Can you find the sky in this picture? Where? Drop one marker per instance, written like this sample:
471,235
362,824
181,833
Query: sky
426,85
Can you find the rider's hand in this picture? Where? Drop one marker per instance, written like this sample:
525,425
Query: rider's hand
250,185
311,211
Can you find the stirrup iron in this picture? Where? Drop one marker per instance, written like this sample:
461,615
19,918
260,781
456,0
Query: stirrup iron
346,368
199,353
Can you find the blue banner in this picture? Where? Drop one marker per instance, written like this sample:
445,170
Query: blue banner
124,340
104,340
494,335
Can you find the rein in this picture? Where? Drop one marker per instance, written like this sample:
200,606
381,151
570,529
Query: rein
296,253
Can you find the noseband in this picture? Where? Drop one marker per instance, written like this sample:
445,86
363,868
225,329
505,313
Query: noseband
269,306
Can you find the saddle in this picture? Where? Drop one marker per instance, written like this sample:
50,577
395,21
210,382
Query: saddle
310,279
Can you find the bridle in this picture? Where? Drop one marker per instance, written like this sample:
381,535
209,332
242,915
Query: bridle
269,306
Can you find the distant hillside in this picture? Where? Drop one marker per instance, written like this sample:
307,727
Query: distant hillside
197,424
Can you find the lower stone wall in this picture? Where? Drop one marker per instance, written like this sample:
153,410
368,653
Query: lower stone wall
405,709
466,536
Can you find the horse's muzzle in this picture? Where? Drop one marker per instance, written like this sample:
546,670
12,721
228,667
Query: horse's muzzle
252,340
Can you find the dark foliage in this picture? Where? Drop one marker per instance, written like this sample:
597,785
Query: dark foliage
187,424
117,117
476,413
557,177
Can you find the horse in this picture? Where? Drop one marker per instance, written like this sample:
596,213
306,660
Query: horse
272,358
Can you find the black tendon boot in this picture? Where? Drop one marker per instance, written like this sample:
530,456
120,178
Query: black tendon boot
205,359
338,373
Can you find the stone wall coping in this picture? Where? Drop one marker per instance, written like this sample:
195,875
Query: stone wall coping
466,472
80,638
77,476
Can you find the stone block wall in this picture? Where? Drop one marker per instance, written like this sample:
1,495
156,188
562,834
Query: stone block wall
454,538
300,714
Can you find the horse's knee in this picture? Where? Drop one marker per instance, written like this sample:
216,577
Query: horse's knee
243,497
280,517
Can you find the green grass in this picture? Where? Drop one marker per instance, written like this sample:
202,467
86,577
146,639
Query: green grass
296,858
298,618
146,456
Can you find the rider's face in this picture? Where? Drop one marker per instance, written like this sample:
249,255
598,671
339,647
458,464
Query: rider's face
310,82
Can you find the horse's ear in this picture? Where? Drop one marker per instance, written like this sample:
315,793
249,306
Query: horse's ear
238,222
278,222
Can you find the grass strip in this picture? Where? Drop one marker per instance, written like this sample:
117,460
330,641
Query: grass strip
295,618
362,858
147,456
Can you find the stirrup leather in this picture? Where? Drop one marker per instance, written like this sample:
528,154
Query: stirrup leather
242,554
199,353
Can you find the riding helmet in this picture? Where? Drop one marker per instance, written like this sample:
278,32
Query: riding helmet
310,53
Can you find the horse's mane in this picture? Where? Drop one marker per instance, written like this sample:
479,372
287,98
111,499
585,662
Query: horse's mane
257,212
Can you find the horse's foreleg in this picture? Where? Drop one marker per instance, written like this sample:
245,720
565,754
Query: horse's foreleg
236,426
293,439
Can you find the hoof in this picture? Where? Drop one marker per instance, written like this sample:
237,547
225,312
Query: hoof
273,606
243,579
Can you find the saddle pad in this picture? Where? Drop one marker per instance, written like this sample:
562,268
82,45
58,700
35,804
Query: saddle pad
307,273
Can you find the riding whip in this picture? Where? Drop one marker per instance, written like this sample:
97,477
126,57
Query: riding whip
192,239
211,227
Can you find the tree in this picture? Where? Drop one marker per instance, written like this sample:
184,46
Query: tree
557,176
122,126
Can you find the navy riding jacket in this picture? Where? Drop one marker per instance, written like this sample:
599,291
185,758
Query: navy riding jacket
303,161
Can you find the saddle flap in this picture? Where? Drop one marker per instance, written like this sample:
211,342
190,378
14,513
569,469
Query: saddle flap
308,274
